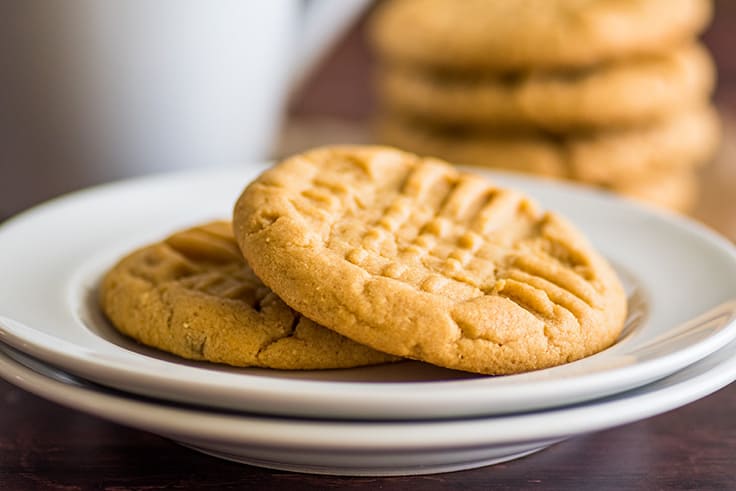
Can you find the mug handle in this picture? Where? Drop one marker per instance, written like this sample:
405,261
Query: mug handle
323,21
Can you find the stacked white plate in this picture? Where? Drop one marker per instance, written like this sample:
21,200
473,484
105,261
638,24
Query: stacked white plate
679,343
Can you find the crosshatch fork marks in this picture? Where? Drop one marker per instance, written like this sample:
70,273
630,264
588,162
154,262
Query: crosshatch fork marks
443,219
193,295
436,223
217,267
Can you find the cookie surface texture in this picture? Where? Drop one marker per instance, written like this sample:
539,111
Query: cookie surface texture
412,257
629,92
503,35
194,296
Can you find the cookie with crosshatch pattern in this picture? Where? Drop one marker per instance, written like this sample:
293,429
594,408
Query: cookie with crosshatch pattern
194,296
413,257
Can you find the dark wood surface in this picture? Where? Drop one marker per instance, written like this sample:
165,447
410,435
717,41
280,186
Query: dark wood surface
46,446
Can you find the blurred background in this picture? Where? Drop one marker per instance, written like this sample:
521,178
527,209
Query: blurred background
333,98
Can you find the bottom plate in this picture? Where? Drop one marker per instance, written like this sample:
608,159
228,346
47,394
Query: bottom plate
366,448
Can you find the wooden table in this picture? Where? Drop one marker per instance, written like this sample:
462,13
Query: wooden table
46,446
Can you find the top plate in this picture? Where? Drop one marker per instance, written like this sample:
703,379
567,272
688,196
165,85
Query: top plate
681,279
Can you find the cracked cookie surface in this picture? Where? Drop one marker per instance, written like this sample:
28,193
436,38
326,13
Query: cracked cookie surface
412,257
194,296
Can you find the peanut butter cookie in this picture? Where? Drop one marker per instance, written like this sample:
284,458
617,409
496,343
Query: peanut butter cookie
630,92
412,257
677,191
194,296
519,35
685,141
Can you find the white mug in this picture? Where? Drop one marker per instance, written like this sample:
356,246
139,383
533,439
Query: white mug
110,89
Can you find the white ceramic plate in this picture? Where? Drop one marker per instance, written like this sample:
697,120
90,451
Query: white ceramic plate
369,447
52,257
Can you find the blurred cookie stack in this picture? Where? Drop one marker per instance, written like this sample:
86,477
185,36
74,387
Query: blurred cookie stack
607,92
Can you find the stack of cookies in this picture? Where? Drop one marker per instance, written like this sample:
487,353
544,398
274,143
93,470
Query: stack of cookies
348,256
614,94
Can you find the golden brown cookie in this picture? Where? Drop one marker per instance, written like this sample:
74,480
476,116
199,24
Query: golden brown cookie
519,35
628,92
533,153
194,296
415,258
683,141
677,191
679,144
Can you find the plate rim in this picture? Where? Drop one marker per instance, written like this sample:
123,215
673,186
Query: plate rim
299,434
